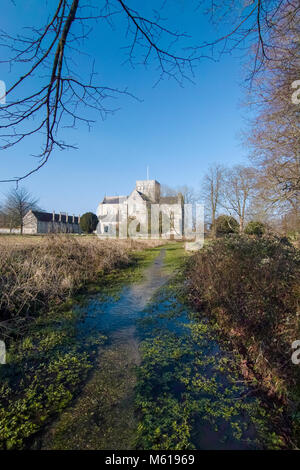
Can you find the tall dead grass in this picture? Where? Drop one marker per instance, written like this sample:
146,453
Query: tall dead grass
39,272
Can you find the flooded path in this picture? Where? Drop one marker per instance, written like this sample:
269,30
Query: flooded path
160,381
103,417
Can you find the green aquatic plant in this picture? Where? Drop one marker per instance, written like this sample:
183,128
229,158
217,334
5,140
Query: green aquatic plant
49,364
249,287
188,385
43,374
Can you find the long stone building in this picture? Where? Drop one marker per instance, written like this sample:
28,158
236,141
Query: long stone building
47,222
143,210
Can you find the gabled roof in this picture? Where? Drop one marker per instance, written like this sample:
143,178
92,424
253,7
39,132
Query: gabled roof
114,199
48,217
140,194
143,196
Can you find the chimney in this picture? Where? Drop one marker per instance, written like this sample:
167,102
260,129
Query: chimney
53,216
79,219
59,217
67,219
73,219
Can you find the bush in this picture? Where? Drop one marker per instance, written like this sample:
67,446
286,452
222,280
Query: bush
255,228
88,222
39,272
225,224
251,287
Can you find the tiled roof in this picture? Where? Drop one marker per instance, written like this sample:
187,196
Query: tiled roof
48,217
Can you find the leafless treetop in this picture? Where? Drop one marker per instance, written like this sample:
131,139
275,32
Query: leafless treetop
50,93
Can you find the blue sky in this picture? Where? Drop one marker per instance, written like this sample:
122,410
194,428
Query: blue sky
177,131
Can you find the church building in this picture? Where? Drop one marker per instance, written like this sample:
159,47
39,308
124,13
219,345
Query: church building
143,212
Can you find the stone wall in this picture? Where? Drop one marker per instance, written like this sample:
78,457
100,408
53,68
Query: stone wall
151,188
30,224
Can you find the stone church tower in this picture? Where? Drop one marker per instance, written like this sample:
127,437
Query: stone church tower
150,188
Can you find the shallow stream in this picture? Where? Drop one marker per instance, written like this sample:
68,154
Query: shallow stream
160,380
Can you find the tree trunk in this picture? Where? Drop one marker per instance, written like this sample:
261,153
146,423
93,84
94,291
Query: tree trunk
213,227
241,225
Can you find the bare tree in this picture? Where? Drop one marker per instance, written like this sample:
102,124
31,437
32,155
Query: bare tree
255,26
274,133
58,97
274,137
211,192
239,189
259,210
188,193
18,202
167,191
